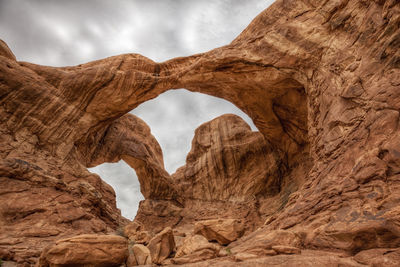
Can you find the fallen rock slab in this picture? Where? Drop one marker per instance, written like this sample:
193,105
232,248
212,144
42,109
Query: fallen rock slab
286,250
86,250
134,231
379,257
195,243
195,248
161,245
140,256
243,256
224,231
262,241
197,256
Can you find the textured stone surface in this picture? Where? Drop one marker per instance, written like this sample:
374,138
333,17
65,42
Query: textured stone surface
228,166
86,250
131,260
37,208
244,256
262,241
320,79
195,248
137,147
5,51
228,161
379,257
224,231
283,260
161,245
141,254
134,232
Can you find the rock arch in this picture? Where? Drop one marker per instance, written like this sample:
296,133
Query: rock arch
93,97
340,59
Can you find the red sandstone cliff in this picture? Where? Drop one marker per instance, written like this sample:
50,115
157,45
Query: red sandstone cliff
318,185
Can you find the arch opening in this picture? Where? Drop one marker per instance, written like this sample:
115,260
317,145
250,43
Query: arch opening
173,116
125,183
257,177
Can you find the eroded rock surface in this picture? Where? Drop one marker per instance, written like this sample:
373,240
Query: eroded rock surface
262,241
134,232
379,257
38,206
222,231
162,245
86,250
228,161
320,79
230,174
195,248
137,147
140,256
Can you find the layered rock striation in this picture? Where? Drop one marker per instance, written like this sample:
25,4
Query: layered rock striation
228,161
321,81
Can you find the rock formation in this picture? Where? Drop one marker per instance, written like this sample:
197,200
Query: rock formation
223,231
228,162
321,81
140,256
194,249
230,174
162,245
94,250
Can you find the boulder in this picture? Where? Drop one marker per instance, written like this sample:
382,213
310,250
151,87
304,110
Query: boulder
131,260
195,248
224,231
227,161
263,242
379,257
86,250
161,245
140,256
134,231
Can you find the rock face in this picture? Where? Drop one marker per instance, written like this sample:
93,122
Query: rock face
286,249
222,231
262,242
162,245
379,257
321,81
221,180
133,231
228,162
37,208
195,248
141,255
86,250
137,147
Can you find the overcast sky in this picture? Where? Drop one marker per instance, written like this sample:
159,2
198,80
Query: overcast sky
60,33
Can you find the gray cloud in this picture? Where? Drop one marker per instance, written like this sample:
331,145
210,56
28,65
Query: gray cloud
60,33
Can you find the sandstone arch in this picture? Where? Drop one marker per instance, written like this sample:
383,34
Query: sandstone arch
340,57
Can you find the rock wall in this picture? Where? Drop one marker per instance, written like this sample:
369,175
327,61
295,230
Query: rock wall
321,81
228,162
